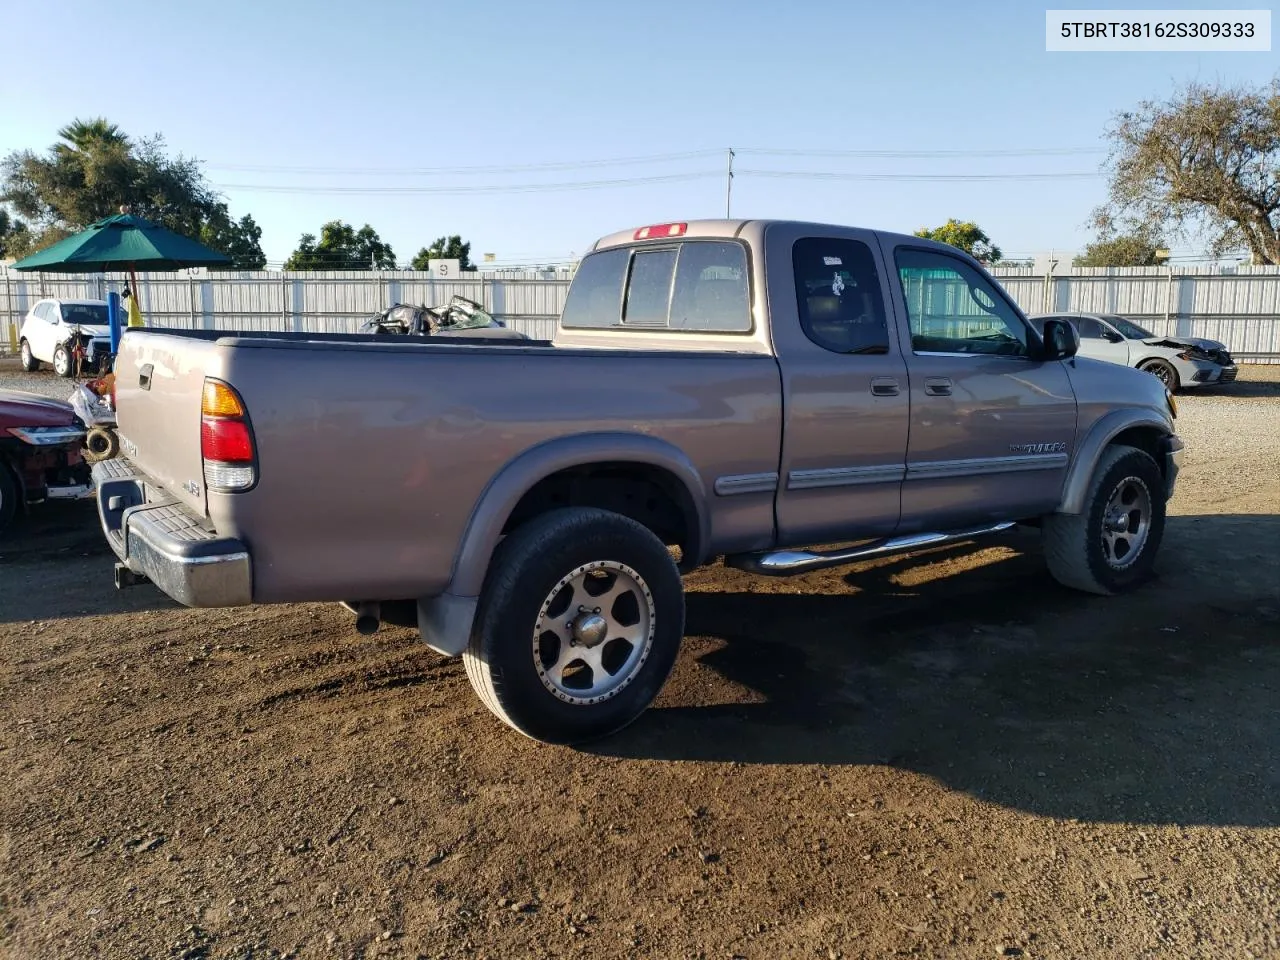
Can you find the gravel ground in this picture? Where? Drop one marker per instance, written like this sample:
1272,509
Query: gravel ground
943,755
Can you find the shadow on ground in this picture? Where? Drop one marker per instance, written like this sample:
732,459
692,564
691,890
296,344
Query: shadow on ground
55,562
1159,706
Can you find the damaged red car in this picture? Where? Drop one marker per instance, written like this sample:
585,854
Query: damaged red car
40,453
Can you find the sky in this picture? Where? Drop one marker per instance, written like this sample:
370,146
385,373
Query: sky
424,119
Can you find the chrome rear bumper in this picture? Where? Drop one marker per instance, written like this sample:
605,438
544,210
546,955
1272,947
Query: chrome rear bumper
165,543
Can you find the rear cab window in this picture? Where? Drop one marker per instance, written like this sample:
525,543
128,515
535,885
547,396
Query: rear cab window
691,286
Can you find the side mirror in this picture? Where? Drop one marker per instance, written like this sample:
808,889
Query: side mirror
1061,340
1113,336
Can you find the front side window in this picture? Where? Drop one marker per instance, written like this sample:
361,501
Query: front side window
41,311
697,285
838,295
1090,329
952,308
1130,330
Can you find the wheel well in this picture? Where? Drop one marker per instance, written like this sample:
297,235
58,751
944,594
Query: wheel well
1147,439
647,494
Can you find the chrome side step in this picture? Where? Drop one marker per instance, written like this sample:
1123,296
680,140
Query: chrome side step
785,563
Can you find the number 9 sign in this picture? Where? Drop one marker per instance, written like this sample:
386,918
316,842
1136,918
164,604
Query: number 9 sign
443,269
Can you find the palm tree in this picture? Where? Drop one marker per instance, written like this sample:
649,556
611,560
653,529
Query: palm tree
98,132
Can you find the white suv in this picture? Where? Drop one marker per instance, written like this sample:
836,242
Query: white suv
52,327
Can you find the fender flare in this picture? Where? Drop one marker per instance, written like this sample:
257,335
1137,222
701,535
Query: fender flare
518,475
1089,451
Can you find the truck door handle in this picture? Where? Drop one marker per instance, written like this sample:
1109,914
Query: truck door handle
144,376
884,387
938,386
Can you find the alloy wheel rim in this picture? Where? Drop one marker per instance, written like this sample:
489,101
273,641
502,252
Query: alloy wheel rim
594,632
1126,523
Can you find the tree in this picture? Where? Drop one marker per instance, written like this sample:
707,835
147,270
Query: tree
1207,162
1123,250
341,247
12,233
965,235
445,248
238,239
95,169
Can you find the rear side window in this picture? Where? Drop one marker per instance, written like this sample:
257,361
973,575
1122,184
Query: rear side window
697,285
838,295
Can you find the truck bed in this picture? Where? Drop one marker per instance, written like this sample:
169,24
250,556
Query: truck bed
374,450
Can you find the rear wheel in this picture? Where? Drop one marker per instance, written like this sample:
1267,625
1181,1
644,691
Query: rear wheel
1163,371
578,627
62,361
1111,545
29,361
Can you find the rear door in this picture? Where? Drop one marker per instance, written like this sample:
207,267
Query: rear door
991,427
159,386
845,396
40,333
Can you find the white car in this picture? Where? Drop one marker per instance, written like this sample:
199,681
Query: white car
1179,362
51,326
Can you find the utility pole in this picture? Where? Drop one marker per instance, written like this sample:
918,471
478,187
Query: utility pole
728,186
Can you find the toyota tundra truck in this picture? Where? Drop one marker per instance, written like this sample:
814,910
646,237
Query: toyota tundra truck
736,389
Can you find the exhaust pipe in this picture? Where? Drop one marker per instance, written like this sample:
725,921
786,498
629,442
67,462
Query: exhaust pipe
368,618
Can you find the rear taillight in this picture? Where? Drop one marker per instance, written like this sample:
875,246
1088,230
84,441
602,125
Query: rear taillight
226,439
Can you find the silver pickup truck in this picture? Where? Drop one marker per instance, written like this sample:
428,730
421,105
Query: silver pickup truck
735,389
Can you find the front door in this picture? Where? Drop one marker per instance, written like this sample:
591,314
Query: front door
844,384
992,428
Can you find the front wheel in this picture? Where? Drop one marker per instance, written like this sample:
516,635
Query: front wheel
1164,372
29,361
62,361
1111,545
578,626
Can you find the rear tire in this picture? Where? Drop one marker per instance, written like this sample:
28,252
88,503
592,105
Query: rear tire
1164,372
62,364
552,663
1111,545
29,361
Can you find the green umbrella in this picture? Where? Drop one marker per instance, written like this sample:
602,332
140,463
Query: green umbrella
123,242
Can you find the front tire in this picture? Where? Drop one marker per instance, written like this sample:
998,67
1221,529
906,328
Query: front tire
29,361
62,361
578,626
1164,372
1111,545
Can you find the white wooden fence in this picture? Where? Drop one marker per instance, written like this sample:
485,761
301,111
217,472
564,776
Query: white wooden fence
1239,306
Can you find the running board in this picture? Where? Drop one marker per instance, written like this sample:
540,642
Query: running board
785,563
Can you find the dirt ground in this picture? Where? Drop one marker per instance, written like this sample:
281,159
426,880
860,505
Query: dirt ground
945,755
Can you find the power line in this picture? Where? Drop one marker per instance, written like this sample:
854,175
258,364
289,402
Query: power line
465,171
648,158
923,154
940,177
409,189
488,188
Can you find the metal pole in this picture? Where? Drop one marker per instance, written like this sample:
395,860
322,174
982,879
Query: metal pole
10,319
728,187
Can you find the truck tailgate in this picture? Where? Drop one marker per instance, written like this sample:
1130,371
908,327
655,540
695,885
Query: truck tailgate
159,382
